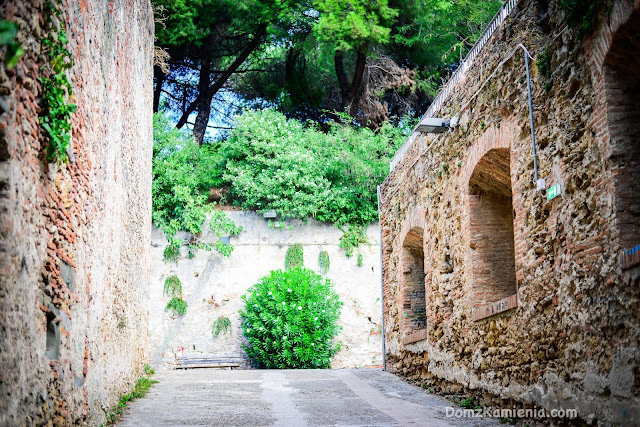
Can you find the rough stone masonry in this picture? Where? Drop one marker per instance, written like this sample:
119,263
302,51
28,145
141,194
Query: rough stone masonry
493,289
74,237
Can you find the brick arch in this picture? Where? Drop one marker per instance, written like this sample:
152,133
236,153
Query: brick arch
413,272
614,60
412,282
490,223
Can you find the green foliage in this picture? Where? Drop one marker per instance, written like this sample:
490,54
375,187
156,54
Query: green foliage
580,14
172,286
544,62
294,257
140,389
172,250
177,305
349,24
323,260
468,403
352,238
360,259
55,117
180,191
8,31
222,325
271,163
221,225
290,320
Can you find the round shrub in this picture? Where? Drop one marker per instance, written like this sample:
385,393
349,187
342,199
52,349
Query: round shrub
290,320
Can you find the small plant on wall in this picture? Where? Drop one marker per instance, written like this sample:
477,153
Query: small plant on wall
222,325
352,238
290,320
173,288
324,261
57,92
294,257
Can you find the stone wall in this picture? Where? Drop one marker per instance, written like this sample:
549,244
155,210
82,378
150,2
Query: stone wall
213,285
74,237
528,300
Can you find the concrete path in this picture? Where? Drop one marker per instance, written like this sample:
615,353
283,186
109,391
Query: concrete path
290,398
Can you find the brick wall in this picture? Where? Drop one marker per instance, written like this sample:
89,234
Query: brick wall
622,89
569,337
413,284
74,237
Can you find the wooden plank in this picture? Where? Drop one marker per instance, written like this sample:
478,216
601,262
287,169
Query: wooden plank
208,365
211,356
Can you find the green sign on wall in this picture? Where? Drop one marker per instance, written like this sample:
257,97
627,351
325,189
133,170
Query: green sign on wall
553,191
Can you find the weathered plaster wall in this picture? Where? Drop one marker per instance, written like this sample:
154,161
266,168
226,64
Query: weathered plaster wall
212,286
74,238
569,337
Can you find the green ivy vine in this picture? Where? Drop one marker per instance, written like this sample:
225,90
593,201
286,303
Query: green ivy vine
173,288
352,238
8,32
324,261
222,325
56,87
294,257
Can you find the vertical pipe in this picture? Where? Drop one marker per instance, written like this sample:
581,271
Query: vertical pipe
384,352
533,133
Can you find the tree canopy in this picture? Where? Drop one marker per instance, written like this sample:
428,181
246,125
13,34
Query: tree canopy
310,58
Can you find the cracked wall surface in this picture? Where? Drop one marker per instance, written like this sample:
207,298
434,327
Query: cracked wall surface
568,336
74,237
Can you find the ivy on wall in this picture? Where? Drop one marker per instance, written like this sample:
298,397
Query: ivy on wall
324,261
173,288
583,15
294,257
8,32
353,237
57,92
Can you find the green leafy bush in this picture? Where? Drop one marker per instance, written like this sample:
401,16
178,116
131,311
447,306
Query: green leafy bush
290,320
294,257
271,163
180,192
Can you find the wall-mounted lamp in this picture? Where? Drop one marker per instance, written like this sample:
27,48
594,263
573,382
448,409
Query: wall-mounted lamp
436,125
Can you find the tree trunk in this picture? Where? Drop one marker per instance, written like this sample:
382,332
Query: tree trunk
222,79
356,84
204,104
159,78
345,89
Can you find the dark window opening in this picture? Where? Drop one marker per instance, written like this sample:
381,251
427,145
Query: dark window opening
53,336
622,88
491,223
413,286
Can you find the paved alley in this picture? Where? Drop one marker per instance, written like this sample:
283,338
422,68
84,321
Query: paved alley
289,398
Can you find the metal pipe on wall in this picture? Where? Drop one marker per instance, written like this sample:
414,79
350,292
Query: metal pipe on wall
384,352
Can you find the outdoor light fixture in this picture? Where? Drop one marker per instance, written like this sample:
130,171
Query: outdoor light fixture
436,125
